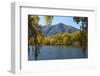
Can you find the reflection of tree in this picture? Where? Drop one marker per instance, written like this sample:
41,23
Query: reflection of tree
35,35
83,29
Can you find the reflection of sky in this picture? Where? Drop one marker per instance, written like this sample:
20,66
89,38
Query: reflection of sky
68,20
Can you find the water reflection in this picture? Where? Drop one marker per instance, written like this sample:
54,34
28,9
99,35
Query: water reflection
57,52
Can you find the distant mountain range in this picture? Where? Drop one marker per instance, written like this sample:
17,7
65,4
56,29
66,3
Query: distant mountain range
58,29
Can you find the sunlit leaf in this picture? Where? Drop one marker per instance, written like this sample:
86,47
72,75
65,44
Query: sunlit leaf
48,20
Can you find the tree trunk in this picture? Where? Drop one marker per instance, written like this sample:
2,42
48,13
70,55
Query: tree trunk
36,47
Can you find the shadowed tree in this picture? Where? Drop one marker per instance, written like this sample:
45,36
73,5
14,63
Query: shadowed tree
83,29
83,21
34,31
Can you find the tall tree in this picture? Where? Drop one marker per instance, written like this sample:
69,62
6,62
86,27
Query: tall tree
35,30
83,29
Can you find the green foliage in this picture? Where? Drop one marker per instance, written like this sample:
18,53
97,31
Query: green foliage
61,39
37,38
35,34
76,36
83,29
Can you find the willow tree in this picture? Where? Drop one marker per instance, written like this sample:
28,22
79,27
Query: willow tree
35,31
83,29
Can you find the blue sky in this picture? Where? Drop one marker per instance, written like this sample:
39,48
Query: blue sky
68,20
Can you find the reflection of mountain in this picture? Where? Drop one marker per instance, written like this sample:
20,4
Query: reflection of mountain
58,29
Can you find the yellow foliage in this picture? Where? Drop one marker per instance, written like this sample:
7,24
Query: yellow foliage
36,20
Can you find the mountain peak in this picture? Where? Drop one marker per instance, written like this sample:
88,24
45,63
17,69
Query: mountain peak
58,29
61,24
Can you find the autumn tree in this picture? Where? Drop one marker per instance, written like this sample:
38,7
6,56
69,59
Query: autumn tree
35,35
83,29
